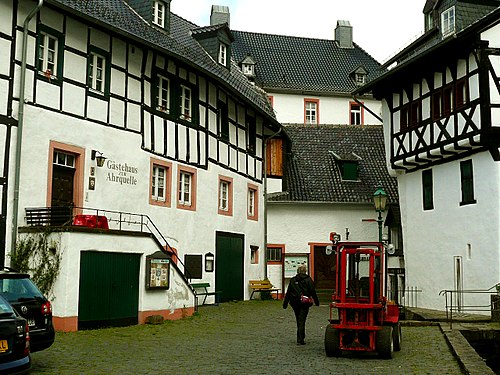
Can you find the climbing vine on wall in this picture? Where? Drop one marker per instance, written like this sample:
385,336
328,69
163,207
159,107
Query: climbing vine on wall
39,255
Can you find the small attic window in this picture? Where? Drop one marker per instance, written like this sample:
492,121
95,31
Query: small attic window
248,70
448,21
158,13
223,54
348,166
359,76
248,67
360,79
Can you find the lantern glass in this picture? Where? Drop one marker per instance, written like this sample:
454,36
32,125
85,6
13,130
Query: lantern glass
379,199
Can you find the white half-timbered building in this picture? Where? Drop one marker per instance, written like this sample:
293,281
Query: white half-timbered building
441,112
123,116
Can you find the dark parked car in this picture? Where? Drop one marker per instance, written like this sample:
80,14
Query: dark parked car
18,289
14,341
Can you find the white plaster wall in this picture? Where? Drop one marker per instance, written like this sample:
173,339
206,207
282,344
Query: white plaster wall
433,238
190,232
289,109
66,289
296,225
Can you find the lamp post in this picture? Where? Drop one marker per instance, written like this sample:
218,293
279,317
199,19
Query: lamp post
379,201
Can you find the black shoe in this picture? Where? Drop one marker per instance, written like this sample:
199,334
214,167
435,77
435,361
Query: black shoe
302,342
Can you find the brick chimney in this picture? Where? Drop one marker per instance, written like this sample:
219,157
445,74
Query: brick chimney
220,14
343,34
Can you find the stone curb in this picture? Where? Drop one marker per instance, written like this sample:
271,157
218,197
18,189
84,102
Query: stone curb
467,357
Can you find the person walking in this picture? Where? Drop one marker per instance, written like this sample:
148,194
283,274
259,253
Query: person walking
300,285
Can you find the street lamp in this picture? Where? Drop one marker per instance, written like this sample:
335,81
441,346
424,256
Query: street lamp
379,201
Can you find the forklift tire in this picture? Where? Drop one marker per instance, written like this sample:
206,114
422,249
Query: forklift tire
332,342
396,337
385,344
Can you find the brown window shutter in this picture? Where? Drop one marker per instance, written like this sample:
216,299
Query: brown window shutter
274,156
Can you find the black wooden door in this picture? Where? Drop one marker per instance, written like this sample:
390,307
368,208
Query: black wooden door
63,180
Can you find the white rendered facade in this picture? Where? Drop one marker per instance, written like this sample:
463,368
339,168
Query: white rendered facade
452,244
64,113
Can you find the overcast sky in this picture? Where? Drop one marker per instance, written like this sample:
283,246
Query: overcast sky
380,27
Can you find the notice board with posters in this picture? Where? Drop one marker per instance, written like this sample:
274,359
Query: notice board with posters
292,261
157,272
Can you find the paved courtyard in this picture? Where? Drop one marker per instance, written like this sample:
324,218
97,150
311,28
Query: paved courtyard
252,337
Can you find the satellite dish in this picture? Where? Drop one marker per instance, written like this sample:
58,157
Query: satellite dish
390,249
329,250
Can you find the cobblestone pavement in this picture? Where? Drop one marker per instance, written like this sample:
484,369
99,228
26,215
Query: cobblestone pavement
252,337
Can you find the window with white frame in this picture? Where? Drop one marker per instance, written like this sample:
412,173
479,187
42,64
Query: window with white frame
223,195
163,94
186,103
222,54
158,183
355,115
311,111
158,13
97,72
248,69
448,21
48,46
252,202
185,184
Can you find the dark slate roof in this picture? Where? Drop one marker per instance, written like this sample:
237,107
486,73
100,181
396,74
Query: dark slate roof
312,173
295,63
119,17
467,14
425,51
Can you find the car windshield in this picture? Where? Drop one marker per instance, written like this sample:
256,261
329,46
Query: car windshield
5,308
14,290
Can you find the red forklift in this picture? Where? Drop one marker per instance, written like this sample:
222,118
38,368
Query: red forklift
365,321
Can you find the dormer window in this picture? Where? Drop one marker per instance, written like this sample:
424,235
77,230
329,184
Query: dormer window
359,76
222,54
348,165
159,13
248,70
248,67
448,21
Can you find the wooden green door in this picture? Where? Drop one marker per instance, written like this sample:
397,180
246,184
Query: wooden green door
229,265
109,289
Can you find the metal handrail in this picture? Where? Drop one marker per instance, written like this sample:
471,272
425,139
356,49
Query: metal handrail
120,220
449,293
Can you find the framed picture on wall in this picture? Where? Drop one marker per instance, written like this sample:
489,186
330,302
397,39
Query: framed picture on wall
292,261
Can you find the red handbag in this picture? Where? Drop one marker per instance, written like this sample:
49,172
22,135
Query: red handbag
306,300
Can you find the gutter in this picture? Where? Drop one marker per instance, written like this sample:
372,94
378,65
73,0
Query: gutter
265,199
19,137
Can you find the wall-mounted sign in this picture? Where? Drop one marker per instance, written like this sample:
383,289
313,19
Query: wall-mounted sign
121,173
157,271
292,261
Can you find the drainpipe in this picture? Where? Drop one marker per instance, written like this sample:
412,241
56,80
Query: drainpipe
265,200
20,121
368,109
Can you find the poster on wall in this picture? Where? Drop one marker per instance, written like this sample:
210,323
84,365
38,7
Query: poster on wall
292,261
158,273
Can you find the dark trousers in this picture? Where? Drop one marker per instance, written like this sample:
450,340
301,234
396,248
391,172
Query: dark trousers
301,312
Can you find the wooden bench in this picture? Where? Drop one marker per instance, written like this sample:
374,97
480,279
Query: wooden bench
201,289
262,286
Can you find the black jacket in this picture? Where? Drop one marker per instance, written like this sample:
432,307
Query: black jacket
300,283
